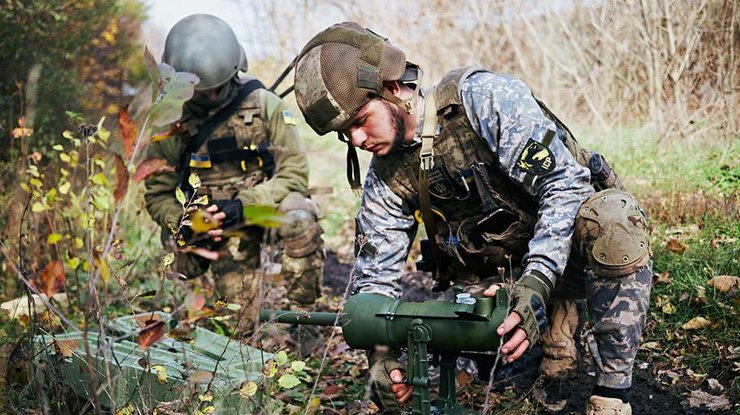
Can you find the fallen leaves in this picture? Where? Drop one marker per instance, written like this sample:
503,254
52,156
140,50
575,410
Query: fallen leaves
65,347
701,399
725,283
676,246
697,323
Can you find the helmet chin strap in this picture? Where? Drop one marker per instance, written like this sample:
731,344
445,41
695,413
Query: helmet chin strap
409,104
353,165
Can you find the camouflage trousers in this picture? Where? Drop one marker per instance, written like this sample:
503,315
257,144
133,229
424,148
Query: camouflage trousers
246,272
617,296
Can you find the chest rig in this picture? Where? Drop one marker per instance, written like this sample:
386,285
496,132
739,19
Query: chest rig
235,153
480,219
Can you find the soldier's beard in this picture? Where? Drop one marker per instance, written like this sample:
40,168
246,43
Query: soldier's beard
398,122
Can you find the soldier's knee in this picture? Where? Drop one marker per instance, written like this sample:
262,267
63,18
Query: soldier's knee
611,231
301,234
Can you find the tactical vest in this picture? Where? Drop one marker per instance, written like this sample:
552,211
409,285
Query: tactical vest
483,219
237,154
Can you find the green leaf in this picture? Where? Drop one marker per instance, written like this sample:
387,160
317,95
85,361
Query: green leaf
194,180
68,135
36,183
265,216
58,147
281,358
180,196
65,157
53,238
298,365
233,307
288,381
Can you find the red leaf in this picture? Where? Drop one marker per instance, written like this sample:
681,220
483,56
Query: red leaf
121,180
152,166
128,131
153,331
52,278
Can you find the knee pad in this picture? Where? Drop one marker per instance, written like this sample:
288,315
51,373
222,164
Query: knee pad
612,232
301,234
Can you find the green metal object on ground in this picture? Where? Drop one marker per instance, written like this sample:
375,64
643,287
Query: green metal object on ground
445,329
176,368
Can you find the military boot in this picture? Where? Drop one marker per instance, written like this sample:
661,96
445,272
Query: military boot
558,342
598,405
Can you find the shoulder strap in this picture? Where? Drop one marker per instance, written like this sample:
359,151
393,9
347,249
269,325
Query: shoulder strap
207,127
428,133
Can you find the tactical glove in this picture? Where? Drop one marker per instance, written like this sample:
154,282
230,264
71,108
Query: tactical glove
381,364
234,212
529,296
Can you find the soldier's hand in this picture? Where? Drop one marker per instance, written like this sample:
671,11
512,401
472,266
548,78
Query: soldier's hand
205,253
518,343
229,212
399,388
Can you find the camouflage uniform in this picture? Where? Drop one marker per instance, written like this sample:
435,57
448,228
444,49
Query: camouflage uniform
274,173
547,215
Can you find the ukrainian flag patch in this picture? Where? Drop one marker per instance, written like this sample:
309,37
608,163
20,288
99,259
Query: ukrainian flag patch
200,162
288,118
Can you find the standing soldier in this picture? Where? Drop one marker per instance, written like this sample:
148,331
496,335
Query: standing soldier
242,142
498,181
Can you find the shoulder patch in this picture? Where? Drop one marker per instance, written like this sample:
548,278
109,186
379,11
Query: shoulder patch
288,118
536,158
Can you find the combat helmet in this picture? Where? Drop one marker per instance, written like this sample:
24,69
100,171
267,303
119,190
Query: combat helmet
341,69
206,46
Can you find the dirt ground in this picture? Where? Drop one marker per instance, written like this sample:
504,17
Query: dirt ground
648,395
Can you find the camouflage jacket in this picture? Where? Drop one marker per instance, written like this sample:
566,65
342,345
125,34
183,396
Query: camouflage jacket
503,112
291,165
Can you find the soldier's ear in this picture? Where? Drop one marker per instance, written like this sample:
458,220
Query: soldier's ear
394,87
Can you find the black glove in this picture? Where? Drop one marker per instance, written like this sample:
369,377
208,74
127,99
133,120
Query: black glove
234,212
529,296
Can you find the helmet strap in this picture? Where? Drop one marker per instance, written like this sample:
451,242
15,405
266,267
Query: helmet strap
409,104
353,165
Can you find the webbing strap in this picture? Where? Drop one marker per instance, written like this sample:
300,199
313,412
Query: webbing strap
428,133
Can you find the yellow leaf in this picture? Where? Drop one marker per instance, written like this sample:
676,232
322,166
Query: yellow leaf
73,263
697,323
36,183
298,365
129,410
102,265
209,409
271,369
281,358
194,180
68,135
64,187
79,243
168,259
202,222
53,238
248,390
99,179
38,207
65,157
25,187
161,373
203,200
206,397
58,147
180,196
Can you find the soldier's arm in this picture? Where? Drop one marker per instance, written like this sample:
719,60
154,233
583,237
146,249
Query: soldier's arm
291,165
384,233
503,111
160,199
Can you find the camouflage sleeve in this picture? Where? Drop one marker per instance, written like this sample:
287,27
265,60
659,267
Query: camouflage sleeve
384,236
291,165
160,199
503,111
